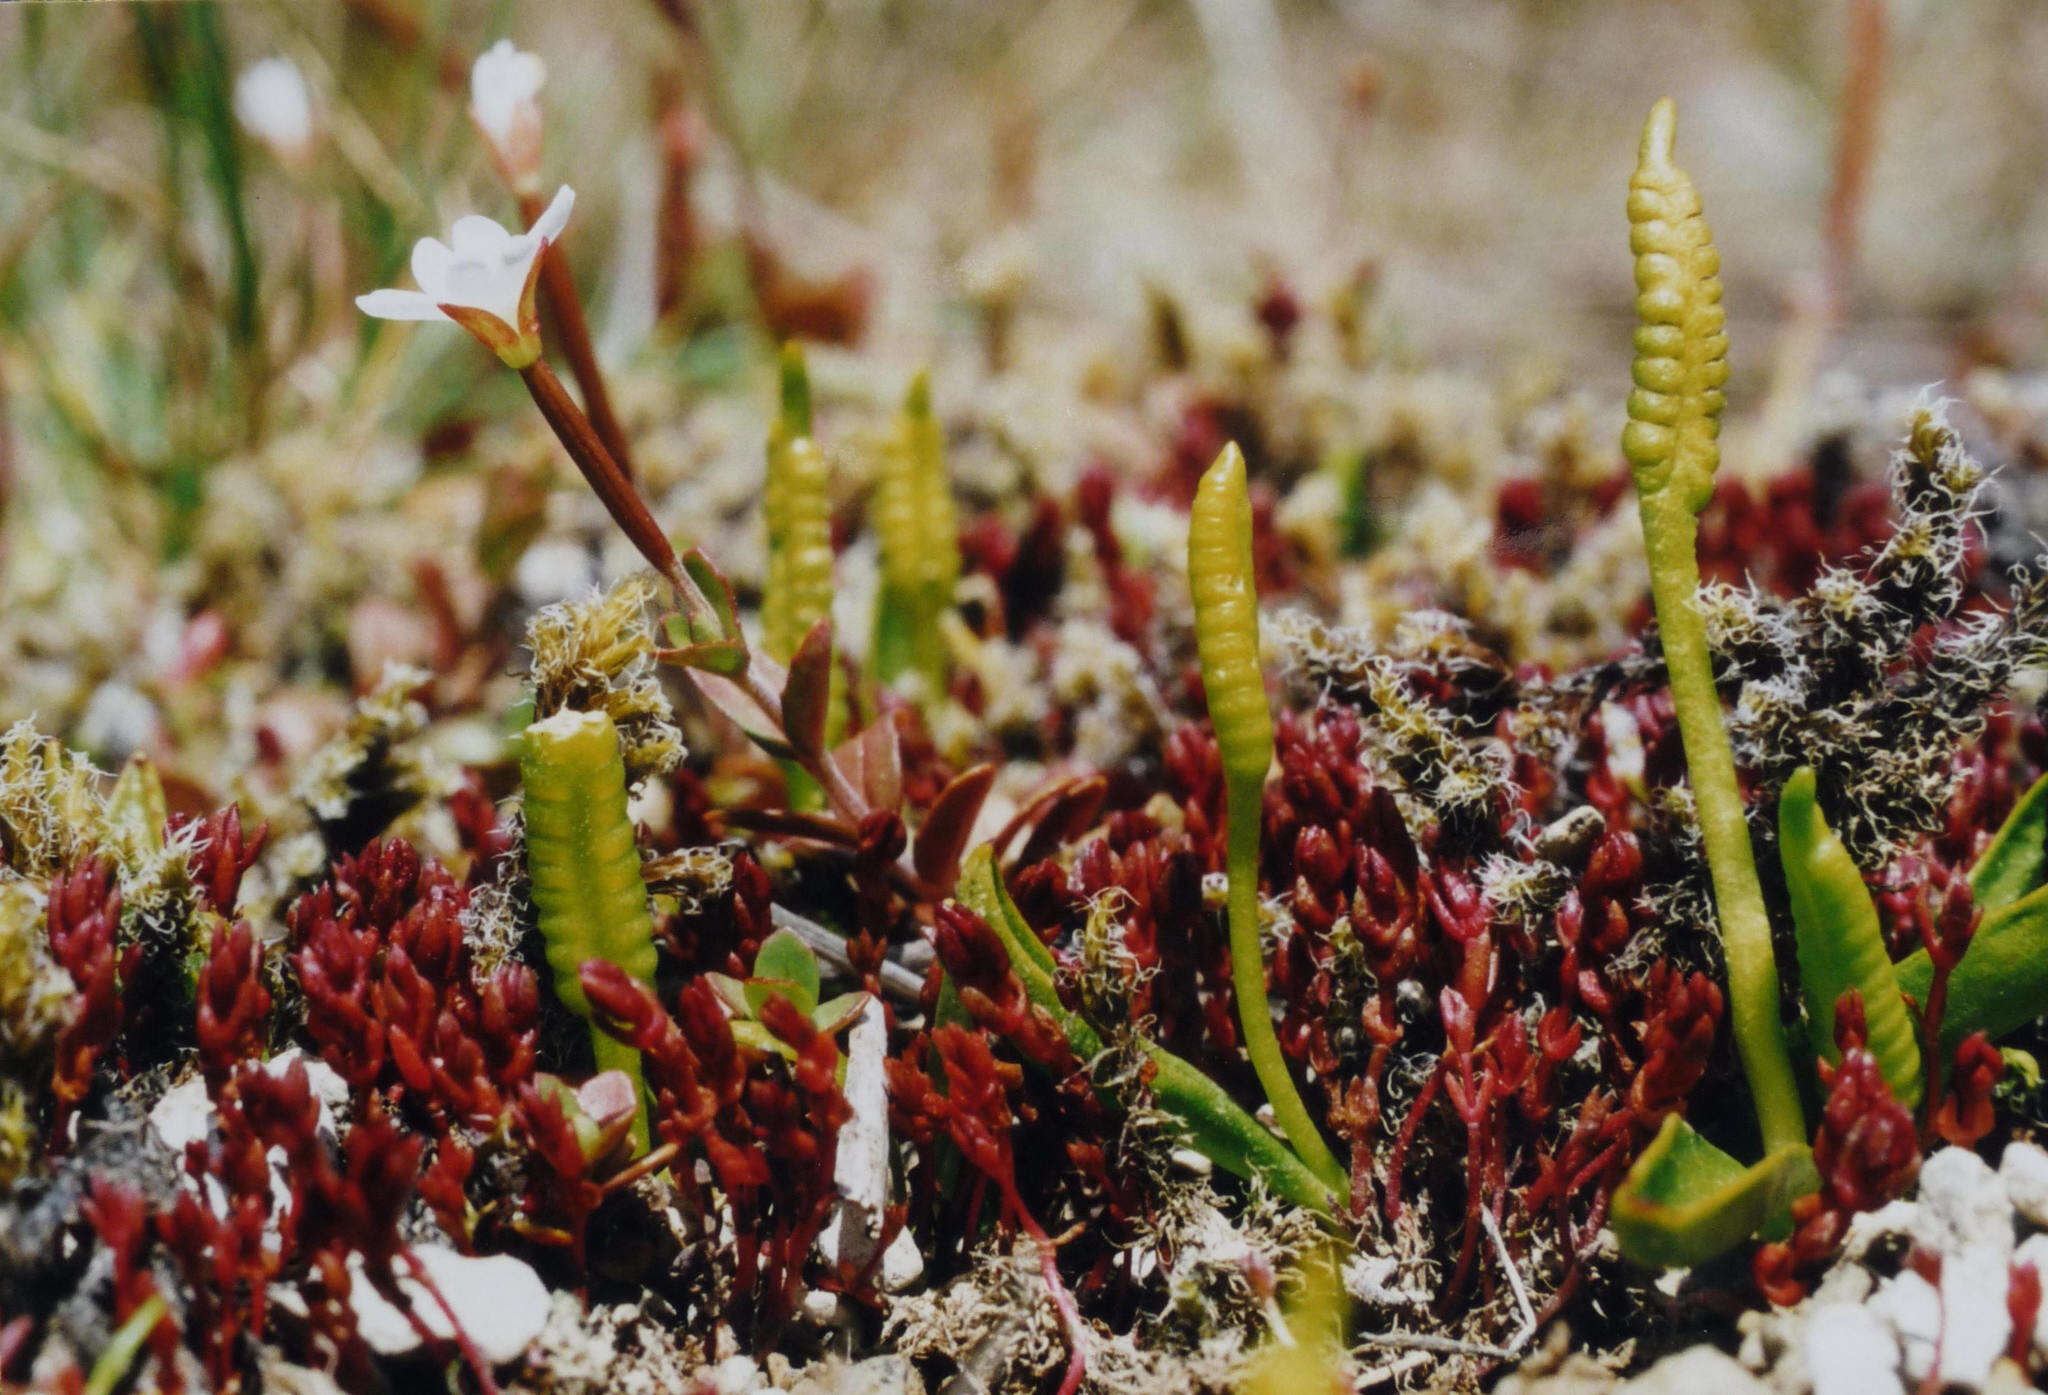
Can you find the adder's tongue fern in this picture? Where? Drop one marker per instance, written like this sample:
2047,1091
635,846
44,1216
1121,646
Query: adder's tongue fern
1674,414
796,502
916,527
588,894
1227,634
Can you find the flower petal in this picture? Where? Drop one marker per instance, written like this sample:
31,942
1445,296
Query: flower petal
430,260
503,82
549,225
400,305
477,236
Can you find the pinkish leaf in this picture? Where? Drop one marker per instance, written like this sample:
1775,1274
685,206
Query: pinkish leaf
942,837
807,696
761,726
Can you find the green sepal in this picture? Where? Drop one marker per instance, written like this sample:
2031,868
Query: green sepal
1685,1201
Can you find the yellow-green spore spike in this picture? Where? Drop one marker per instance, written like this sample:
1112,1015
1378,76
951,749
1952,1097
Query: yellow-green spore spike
1227,617
1227,636
797,506
918,532
588,894
1681,342
1671,445
925,442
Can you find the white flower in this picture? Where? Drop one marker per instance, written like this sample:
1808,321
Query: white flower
482,278
274,105
504,88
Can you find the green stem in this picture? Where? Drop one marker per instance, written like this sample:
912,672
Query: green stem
1216,1126
1669,531
120,1353
1248,977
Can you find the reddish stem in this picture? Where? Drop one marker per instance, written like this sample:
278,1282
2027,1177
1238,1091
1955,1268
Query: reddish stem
563,305
610,483
463,1342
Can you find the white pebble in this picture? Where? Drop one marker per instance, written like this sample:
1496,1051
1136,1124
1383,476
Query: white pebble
500,1302
2024,1171
1962,1205
1849,1351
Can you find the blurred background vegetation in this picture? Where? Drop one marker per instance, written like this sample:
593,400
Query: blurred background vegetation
176,295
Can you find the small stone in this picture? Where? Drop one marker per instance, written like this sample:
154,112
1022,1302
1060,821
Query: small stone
737,1375
1975,1324
1867,1228
902,1264
1962,1205
500,1302
2034,1250
1693,1370
1850,1351
184,1115
824,1309
2024,1172
1911,1307
861,1168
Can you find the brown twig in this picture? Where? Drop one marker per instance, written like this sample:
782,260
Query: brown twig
1854,144
402,29
642,1166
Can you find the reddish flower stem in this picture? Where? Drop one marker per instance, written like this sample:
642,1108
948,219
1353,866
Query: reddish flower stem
563,305
614,489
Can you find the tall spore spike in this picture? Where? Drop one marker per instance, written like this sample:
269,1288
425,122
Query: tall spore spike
1672,448
1227,636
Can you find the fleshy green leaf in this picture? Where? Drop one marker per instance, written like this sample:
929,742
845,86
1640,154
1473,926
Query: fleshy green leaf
2002,982
1217,1126
2015,860
786,962
834,1014
733,991
1685,1201
1840,942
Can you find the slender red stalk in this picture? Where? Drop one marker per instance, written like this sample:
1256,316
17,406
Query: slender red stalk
562,304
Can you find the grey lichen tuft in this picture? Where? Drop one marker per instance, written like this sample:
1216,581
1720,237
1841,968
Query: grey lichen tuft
1832,678
373,771
597,655
1440,761
35,999
50,803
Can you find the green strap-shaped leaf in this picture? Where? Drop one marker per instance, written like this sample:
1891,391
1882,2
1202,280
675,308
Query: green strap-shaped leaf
2015,860
2002,982
1841,945
1217,1127
1685,1201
